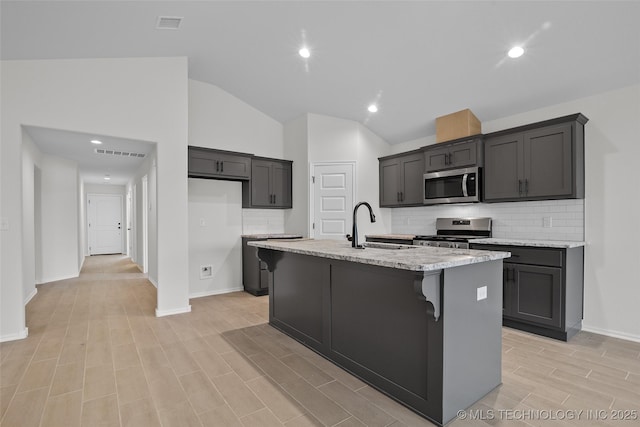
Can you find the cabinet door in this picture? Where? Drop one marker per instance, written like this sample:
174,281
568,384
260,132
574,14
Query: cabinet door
507,285
436,159
463,154
503,171
390,182
261,183
201,163
411,174
548,166
537,295
234,166
281,190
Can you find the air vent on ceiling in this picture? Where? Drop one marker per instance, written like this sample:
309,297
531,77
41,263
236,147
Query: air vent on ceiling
118,153
168,22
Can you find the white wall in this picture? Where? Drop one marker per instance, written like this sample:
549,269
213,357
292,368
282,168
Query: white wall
611,204
138,98
215,226
31,164
332,139
59,198
82,223
219,120
296,148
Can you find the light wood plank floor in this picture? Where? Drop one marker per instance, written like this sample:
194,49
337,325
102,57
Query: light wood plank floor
97,356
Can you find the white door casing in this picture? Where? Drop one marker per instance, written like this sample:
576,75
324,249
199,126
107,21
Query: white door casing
104,226
333,193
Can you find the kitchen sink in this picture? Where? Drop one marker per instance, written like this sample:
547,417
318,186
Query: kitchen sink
391,246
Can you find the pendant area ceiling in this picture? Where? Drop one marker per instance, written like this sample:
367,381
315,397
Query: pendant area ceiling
417,59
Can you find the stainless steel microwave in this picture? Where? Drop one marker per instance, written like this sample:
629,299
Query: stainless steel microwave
453,186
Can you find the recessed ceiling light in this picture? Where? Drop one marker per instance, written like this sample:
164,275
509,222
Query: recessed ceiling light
95,141
373,108
107,178
515,52
304,52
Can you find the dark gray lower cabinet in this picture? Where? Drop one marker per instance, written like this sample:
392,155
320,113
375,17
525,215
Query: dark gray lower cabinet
542,289
255,277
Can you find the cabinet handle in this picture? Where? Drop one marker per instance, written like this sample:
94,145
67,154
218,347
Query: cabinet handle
520,186
217,166
526,187
221,166
401,196
274,199
450,160
446,159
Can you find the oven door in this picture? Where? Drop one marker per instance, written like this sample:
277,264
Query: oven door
456,186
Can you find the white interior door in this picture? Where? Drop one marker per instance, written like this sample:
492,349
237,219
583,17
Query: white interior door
333,194
105,223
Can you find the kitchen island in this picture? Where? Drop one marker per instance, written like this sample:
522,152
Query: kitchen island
421,324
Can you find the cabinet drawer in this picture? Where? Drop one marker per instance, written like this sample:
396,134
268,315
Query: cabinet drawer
527,255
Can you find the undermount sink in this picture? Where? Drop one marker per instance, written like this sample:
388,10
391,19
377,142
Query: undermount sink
391,246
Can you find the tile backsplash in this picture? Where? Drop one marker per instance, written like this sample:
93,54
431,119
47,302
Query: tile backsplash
262,221
539,220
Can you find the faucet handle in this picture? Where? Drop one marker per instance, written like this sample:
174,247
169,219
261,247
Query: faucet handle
349,238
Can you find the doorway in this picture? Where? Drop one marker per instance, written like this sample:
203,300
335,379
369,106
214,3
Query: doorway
104,215
332,194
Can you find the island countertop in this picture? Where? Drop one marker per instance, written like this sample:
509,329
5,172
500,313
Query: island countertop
414,258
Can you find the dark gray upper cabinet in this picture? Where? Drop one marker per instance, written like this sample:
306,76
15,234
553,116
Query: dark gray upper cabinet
401,179
460,153
270,184
218,164
539,161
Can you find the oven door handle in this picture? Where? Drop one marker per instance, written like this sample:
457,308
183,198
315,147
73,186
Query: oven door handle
464,185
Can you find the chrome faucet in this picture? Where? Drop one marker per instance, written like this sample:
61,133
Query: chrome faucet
354,233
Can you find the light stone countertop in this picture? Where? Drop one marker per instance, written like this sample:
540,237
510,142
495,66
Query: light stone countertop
532,243
392,236
272,236
415,258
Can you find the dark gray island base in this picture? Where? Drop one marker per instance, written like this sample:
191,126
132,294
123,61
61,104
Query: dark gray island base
425,337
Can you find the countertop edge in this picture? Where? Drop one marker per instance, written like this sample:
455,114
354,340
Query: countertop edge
562,244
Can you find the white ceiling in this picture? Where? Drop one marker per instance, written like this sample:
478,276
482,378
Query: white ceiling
92,166
419,59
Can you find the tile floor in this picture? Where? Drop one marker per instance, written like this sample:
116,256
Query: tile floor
97,356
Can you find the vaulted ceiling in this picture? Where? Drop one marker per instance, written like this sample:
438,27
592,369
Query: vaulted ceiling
417,59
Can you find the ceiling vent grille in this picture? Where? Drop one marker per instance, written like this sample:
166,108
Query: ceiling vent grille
168,22
118,153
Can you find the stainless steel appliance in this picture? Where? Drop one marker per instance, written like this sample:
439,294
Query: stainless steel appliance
454,186
456,232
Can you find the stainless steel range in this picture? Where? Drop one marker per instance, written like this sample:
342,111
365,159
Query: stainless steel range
456,232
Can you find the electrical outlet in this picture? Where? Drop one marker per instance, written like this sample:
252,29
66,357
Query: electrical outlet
206,271
4,224
203,223
547,222
481,293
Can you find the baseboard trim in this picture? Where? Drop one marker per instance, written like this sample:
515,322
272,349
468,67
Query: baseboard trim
57,279
17,336
153,282
30,296
216,292
612,334
162,313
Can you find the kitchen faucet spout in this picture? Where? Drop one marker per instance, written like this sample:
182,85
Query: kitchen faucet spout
354,232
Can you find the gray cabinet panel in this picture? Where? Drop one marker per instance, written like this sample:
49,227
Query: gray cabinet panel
453,155
270,185
411,174
542,289
503,167
401,180
390,182
209,163
537,294
535,162
548,162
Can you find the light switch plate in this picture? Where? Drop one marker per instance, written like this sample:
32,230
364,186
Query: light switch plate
481,293
4,224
